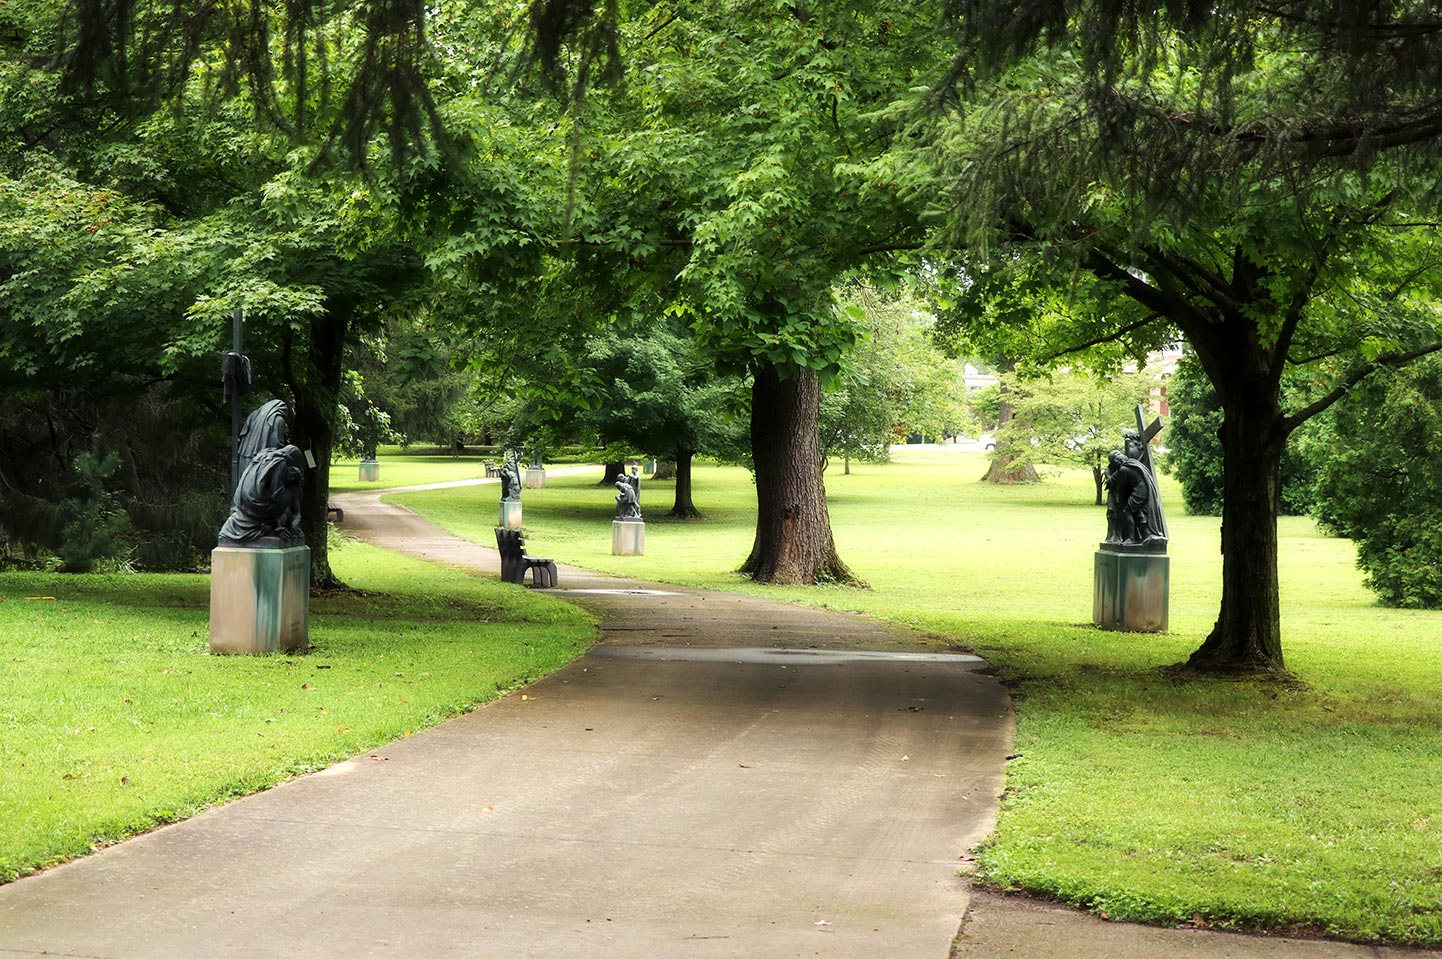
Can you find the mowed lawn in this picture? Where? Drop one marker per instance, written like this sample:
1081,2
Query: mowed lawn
114,718
408,468
1314,805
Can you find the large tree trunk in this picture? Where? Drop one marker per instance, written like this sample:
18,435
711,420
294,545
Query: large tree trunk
614,471
1099,478
1248,635
793,529
317,392
1004,469
683,508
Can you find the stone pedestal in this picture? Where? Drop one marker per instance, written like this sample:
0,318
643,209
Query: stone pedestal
535,477
1131,591
510,514
370,471
628,537
259,600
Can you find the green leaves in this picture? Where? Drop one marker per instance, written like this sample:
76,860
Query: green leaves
742,153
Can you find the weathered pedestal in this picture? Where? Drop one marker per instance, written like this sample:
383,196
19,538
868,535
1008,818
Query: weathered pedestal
628,537
535,477
370,471
510,514
259,599
1131,591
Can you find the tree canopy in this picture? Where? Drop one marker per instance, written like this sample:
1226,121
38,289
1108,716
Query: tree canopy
1162,196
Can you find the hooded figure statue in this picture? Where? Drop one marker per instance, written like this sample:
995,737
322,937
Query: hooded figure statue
1134,504
265,507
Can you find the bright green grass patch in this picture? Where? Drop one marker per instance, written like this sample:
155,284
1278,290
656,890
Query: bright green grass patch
407,469
1316,805
114,718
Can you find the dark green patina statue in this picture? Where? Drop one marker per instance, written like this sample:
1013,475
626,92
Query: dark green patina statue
265,509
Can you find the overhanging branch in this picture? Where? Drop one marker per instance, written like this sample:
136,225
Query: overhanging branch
1400,358
1110,337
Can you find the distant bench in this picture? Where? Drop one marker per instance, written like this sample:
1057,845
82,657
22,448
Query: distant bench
492,471
515,562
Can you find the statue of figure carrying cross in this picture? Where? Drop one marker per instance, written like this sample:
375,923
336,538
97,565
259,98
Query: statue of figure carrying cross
1134,505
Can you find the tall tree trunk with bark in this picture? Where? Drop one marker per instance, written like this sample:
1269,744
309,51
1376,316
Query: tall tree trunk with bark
1247,637
683,507
317,392
614,471
793,528
1004,469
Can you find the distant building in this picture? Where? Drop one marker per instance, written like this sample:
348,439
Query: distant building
975,379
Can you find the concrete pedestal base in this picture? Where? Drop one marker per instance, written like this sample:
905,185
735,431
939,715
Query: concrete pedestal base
370,471
535,477
1130,593
259,600
628,537
510,514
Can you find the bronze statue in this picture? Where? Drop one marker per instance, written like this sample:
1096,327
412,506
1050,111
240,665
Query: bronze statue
265,508
511,481
628,501
1134,505
265,511
264,429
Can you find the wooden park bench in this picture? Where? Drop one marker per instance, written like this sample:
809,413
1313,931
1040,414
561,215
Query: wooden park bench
515,562
492,470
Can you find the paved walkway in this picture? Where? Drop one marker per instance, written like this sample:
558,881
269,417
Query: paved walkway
721,776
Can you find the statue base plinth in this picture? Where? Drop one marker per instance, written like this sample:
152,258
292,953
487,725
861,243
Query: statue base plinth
259,600
370,471
535,477
1130,592
628,537
510,514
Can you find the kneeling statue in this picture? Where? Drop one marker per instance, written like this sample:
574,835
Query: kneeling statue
266,508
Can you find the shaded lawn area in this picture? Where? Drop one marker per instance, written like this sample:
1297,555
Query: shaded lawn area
114,718
1315,805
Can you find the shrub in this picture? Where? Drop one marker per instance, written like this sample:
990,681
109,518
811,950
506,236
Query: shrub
1379,481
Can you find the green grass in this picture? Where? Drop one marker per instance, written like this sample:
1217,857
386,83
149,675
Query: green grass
1314,805
422,465
114,718
408,469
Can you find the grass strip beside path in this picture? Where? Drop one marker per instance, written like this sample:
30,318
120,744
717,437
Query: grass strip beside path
114,718
1314,805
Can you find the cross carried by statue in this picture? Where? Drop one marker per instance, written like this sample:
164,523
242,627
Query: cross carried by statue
1145,433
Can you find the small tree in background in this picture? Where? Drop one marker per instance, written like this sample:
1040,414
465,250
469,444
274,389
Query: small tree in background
655,393
899,382
1072,419
97,527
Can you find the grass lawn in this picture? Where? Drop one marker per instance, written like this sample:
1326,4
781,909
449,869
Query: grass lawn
1315,805
416,468
114,718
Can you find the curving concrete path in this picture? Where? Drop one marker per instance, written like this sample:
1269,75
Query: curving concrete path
720,776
